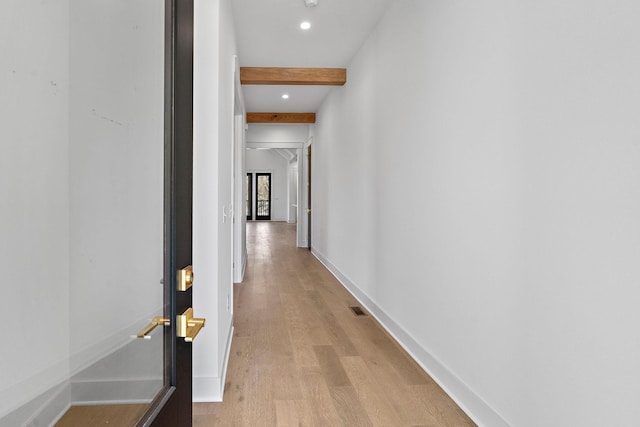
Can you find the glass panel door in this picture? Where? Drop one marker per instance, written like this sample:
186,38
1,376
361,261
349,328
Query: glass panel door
116,151
248,191
263,196
83,221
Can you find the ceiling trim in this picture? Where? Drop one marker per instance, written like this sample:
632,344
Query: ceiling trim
293,76
281,117
258,144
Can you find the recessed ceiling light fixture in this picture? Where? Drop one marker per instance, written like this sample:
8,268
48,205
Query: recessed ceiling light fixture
310,3
305,25
285,96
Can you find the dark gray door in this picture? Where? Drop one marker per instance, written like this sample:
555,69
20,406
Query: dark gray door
172,406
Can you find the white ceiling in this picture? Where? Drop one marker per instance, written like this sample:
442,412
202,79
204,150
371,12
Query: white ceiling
269,35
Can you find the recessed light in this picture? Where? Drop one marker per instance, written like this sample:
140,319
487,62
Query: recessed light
305,25
285,96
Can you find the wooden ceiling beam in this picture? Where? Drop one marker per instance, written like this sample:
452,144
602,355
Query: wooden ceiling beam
281,117
293,76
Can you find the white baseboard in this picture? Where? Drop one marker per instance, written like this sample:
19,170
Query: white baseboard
44,410
225,364
238,274
13,397
244,266
211,389
472,404
206,389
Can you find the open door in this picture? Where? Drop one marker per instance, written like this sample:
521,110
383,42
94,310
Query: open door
263,196
98,161
172,405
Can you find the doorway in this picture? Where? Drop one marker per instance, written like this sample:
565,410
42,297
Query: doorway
263,196
258,196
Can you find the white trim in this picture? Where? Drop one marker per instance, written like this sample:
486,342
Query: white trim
238,149
472,404
301,238
15,396
206,389
274,144
227,355
43,410
211,389
308,142
244,266
303,194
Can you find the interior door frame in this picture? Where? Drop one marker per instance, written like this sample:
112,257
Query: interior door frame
172,405
309,196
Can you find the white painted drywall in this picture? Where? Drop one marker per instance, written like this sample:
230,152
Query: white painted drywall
477,180
277,133
214,50
34,199
271,162
239,211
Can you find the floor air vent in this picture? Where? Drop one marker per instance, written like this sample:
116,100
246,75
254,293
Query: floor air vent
358,311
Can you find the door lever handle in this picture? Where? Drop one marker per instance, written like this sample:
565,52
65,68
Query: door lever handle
188,326
153,323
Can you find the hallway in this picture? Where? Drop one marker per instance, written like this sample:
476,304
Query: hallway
300,357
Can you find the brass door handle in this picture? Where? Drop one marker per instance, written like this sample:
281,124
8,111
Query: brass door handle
189,326
153,323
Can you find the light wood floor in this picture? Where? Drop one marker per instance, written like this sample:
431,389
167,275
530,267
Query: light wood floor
100,415
300,357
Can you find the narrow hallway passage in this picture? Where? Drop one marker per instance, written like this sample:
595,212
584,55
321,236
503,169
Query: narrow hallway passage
300,357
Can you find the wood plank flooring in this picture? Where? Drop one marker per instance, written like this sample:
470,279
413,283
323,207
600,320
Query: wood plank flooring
101,415
300,357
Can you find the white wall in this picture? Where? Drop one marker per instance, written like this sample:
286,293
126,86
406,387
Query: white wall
476,183
271,162
277,133
214,52
34,199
